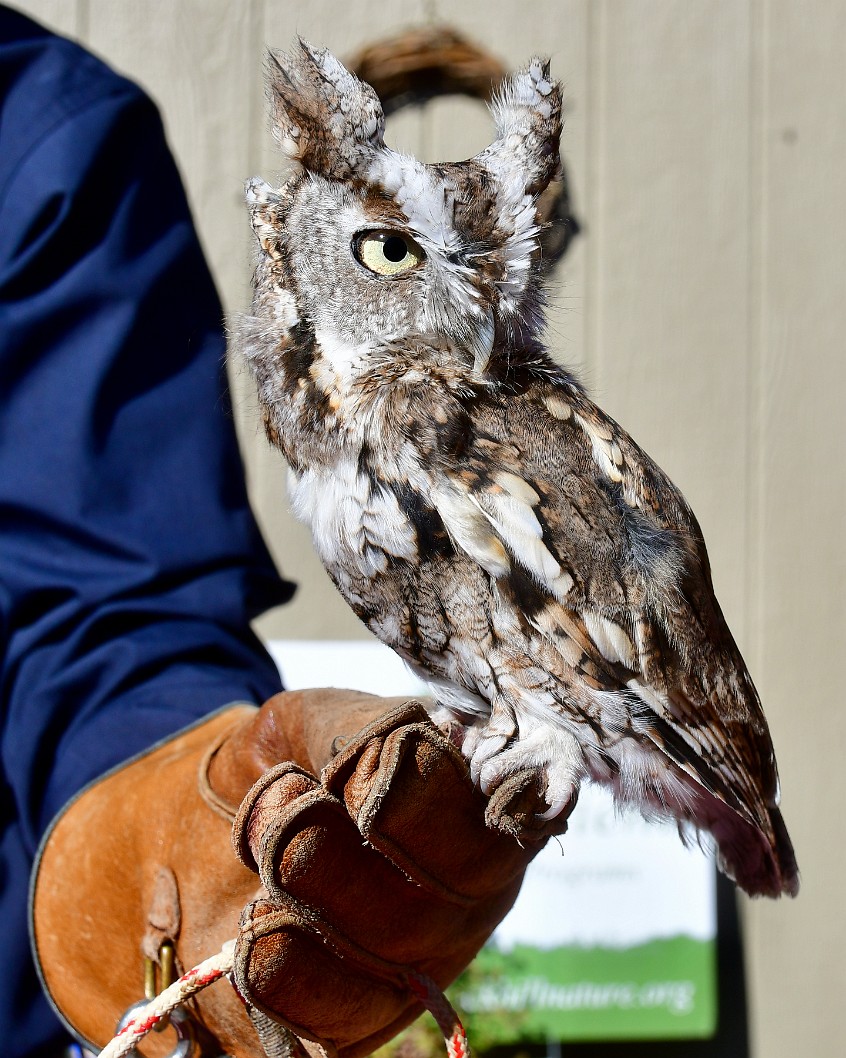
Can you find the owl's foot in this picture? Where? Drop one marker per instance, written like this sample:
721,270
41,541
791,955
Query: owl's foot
549,750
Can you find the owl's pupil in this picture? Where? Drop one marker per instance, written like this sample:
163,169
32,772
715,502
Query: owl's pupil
394,249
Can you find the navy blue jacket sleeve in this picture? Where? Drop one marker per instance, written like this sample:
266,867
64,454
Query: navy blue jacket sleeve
130,564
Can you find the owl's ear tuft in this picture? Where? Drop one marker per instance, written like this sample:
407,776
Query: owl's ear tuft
527,114
322,115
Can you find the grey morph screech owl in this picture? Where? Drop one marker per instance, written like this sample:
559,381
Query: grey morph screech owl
479,513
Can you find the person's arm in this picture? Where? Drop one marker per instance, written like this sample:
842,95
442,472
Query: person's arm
130,562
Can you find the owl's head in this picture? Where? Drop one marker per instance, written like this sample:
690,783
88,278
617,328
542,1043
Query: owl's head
369,247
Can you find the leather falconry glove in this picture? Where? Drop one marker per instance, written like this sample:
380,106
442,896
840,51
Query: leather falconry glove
363,857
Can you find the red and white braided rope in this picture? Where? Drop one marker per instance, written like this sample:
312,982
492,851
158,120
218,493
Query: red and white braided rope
146,1019
455,1038
211,970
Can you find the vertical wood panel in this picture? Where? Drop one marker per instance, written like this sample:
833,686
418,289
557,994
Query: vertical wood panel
799,973
669,250
194,58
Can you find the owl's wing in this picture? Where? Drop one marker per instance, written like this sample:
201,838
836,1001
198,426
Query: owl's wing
591,543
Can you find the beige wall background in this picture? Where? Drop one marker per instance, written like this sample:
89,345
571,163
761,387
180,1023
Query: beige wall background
704,305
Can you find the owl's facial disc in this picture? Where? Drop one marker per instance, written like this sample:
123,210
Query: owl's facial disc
387,252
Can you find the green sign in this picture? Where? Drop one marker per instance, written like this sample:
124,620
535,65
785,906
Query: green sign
664,989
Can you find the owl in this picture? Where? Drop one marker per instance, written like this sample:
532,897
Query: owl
478,512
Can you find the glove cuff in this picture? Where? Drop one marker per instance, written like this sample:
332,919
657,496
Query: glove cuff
129,861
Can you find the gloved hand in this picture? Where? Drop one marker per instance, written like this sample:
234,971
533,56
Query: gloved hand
389,864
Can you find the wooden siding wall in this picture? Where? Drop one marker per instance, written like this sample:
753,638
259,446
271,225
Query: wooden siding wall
704,305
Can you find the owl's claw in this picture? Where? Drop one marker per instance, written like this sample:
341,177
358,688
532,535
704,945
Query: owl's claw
486,753
560,806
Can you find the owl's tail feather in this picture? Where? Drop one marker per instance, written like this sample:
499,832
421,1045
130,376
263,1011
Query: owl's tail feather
761,864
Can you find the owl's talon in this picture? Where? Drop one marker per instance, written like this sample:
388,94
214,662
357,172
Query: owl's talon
560,806
486,751
487,784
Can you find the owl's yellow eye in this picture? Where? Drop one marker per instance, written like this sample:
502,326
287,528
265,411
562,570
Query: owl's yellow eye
387,253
